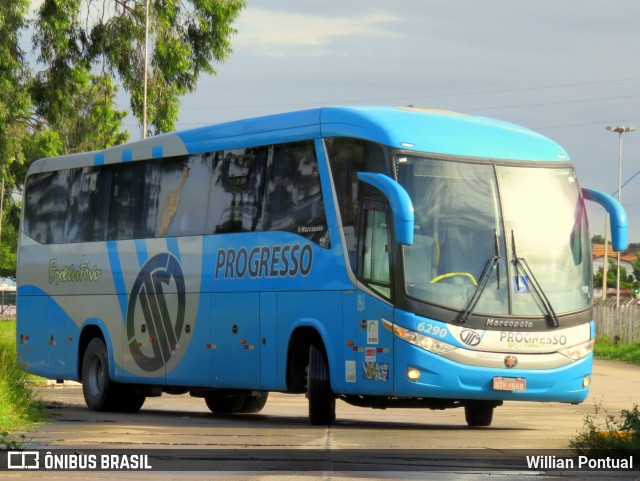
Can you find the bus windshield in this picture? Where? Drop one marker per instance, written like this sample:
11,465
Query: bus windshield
525,226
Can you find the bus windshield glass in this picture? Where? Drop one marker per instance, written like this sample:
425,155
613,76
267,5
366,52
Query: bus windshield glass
473,220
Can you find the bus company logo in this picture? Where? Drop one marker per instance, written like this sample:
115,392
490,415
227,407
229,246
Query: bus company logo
510,361
264,262
148,296
470,337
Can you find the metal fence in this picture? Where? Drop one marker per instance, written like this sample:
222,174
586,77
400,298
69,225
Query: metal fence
626,327
7,302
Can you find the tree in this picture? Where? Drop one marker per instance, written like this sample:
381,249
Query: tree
85,121
14,121
597,239
186,38
86,118
626,281
84,48
14,96
636,270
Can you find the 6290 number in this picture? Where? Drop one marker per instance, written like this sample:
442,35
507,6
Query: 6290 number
433,330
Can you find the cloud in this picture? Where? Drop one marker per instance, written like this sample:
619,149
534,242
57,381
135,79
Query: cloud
282,33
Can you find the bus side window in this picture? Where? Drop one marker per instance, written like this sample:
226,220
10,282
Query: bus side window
375,265
88,211
134,204
47,196
184,195
293,195
236,198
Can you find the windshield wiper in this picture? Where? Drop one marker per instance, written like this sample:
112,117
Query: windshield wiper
492,264
521,263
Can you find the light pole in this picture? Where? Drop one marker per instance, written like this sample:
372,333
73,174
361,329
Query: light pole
620,129
146,74
605,257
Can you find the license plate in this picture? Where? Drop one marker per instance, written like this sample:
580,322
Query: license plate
509,384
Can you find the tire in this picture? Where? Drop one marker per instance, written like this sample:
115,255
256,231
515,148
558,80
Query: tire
322,401
479,413
100,393
226,404
254,404
129,400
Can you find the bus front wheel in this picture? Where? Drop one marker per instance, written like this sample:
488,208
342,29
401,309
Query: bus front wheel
322,401
479,413
225,405
234,404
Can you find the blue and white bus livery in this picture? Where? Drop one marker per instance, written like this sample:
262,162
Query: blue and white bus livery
382,256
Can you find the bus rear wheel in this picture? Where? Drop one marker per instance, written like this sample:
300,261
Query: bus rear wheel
479,413
322,401
100,392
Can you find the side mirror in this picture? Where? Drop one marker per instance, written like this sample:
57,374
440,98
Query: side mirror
617,214
401,205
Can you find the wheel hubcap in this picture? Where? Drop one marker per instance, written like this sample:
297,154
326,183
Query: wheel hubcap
96,376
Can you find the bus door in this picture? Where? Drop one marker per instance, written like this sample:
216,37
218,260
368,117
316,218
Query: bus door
369,353
235,338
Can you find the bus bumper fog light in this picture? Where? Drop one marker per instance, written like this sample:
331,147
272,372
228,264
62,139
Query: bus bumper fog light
413,374
586,382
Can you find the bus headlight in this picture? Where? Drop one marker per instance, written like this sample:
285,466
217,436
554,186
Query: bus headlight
579,351
428,343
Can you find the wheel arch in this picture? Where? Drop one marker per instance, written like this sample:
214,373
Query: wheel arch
91,329
303,334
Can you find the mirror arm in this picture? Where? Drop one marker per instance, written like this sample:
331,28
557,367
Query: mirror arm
401,205
617,214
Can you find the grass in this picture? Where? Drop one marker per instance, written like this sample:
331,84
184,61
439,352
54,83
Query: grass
19,408
606,348
605,435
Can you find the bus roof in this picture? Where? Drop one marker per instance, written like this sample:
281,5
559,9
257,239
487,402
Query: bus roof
442,132
430,131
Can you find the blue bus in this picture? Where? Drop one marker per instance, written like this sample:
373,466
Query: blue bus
386,257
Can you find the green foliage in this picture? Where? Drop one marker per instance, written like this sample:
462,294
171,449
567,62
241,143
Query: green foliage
606,348
14,96
83,118
6,442
636,270
69,99
185,39
83,48
18,405
9,240
612,436
626,281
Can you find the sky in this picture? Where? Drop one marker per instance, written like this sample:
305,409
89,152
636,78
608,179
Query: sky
566,69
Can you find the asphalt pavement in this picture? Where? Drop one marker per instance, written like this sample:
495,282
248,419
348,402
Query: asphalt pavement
279,443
